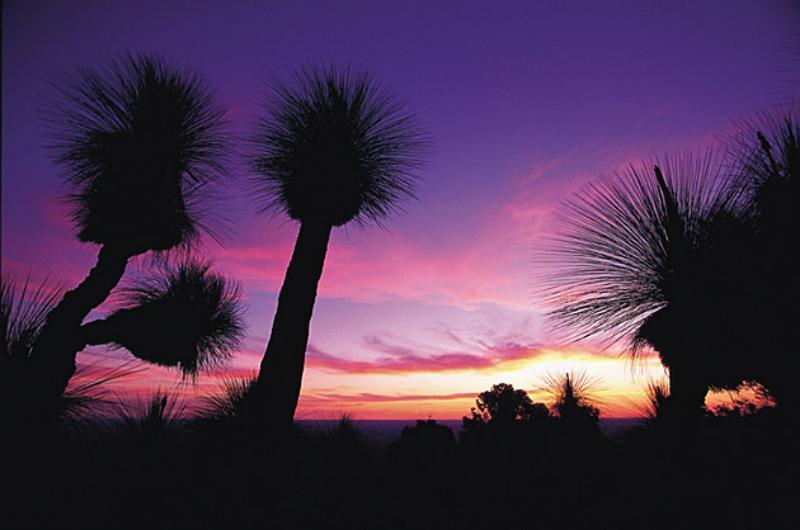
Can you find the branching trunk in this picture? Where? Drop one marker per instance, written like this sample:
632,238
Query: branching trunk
281,372
104,331
59,342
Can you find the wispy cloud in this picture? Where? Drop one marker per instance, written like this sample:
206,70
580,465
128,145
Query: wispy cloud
399,359
366,397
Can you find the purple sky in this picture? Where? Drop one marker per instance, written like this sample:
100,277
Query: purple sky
524,102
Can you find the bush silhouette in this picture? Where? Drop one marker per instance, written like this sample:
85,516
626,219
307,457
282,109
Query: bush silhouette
502,406
423,446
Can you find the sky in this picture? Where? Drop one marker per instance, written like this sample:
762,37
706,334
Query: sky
524,102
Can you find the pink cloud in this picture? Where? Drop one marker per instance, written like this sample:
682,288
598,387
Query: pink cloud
366,397
403,360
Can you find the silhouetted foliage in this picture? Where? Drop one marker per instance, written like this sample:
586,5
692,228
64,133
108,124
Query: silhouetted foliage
502,406
190,317
695,251
749,398
238,412
23,312
187,316
333,147
574,405
150,422
657,396
645,254
427,444
343,437
140,142
571,395
234,401
767,162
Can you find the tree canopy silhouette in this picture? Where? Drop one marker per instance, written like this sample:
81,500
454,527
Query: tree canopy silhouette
140,141
503,406
333,147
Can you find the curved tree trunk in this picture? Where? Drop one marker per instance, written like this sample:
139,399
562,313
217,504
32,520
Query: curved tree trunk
56,347
281,371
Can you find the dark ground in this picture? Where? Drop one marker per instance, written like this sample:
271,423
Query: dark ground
734,472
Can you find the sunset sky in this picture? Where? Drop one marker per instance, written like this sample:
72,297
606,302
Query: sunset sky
523,105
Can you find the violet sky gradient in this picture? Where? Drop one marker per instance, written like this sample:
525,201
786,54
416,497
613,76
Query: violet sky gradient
524,101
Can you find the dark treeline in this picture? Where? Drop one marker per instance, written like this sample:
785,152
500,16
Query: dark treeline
690,257
515,462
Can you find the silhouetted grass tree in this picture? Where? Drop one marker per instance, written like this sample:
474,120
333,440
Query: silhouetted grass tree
140,142
148,425
343,440
333,148
189,318
656,399
649,258
768,159
573,403
232,403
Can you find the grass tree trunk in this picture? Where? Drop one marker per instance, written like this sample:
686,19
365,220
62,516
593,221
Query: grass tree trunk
687,397
281,371
59,342
105,331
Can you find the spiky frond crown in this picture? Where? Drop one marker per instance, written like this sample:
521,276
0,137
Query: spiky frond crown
150,421
335,147
572,393
633,244
23,313
768,157
234,401
767,161
656,399
140,142
188,317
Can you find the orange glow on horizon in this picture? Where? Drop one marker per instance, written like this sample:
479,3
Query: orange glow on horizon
446,394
